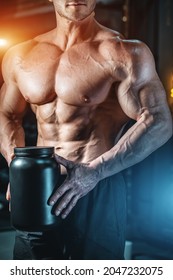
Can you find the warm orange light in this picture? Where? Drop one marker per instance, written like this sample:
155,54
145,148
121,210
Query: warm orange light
172,92
3,43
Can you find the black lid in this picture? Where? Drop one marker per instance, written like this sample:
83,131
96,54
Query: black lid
33,151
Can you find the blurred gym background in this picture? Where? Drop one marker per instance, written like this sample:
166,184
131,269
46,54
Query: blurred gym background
149,183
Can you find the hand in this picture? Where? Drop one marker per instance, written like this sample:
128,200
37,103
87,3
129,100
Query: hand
8,196
81,179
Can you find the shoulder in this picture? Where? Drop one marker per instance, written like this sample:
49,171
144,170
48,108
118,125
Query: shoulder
128,50
133,58
14,54
20,50
141,62
128,57
118,45
136,50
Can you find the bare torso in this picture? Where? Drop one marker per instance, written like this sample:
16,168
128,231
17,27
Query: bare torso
84,82
73,95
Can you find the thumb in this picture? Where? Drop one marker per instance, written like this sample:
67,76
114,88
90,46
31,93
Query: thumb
66,163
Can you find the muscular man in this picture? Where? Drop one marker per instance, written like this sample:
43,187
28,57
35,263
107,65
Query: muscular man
84,82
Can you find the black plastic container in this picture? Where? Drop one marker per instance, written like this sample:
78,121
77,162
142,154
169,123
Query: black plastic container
34,175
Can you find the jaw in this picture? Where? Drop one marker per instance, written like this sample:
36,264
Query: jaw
75,10
75,17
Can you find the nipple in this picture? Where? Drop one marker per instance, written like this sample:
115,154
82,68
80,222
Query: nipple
86,99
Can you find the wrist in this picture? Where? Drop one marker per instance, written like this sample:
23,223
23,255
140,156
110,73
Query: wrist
97,167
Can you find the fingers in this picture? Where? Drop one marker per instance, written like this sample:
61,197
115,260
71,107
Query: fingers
59,193
64,204
67,202
8,196
66,163
70,206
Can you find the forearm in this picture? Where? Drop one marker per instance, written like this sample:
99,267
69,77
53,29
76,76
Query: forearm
145,136
11,136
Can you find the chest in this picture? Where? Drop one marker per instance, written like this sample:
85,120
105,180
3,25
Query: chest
77,76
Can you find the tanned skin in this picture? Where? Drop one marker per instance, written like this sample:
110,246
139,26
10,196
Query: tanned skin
84,82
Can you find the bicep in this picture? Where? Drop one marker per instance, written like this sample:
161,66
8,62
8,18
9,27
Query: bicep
149,96
142,89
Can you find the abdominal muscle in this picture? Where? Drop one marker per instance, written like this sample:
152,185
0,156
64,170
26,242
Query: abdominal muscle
79,133
69,146
82,137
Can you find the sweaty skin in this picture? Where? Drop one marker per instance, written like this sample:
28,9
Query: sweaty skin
84,82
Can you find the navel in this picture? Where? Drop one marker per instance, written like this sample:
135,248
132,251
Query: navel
86,99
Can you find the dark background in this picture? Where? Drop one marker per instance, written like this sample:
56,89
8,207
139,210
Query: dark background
149,183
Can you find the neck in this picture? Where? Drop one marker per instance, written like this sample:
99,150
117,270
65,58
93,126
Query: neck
69,33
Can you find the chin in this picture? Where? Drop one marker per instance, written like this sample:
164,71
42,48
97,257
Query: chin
79,17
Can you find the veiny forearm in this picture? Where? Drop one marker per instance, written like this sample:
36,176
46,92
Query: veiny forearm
11,135
145,136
